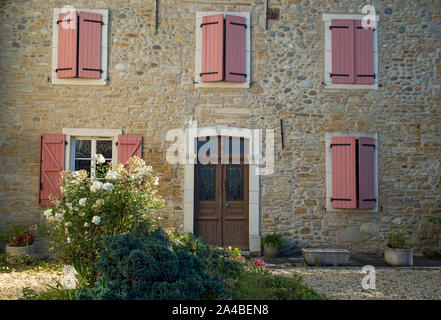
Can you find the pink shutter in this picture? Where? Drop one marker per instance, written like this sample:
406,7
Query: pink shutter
364,54
343,173
67,45
366,164
235,28
342,42
212,48
52,150
89,50
129,146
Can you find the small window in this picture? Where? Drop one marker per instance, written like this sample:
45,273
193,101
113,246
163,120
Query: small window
84,151
222,49
351,52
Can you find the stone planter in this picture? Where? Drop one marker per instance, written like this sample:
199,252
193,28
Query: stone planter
270,252
326,257
19,251
398,257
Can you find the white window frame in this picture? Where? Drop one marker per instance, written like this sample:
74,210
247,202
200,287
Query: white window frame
92,134
104,51
327,18
198,57
357,135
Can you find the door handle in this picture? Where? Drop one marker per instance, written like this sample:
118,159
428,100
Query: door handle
227,205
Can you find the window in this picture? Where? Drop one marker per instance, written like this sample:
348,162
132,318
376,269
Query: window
351,52
351,171
222,49
84,150
74,149
79,47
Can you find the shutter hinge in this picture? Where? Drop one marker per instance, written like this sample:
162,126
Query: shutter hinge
368,145
97,21
58,21
373,29
62,69
207,23
90,69
201,74
338,199
239,24
41,185
238,74
375,200
366,75
339,144
338,75
339,27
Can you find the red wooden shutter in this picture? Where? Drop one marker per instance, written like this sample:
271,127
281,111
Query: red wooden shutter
89,50
129,146
52,150
235,28
364,54
212,48
342,38
343,173
67,45
366,164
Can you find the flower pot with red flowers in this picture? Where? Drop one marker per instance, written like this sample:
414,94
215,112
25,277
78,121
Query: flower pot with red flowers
397,252
20,241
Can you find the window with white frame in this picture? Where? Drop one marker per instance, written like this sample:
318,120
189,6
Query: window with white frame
85,144
351,51
222,50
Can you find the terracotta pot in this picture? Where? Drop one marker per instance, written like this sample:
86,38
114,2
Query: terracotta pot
18,251
270,252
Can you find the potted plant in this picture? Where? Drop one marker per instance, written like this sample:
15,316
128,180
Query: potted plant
20,241
272,242
397,252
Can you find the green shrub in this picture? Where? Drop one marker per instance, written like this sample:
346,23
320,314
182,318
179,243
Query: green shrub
257,283
115,201
274,240
143,267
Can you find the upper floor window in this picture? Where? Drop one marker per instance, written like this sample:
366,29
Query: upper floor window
79,46
351,52
222,49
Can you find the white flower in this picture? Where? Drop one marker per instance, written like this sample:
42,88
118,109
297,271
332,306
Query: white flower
68,224
97,186
69,205
99,158
48,213
96,219
155,181
86,224
59,216
68,239
144,196
112,175
82,202
108,186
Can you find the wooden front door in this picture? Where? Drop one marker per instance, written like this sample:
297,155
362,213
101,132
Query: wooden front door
221,203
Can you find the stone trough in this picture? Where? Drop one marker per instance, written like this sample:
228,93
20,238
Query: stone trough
326,257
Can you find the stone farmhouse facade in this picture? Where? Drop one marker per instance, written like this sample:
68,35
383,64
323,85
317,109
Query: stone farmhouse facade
353,104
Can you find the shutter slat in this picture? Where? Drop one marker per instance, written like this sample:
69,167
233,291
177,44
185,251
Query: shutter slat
129,146
235,48
343,173
364,54
89,51
342,51
52,153
366,172
67,45
212,48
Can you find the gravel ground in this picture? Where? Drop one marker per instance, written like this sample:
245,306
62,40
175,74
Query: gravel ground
391,284
12,283
344,284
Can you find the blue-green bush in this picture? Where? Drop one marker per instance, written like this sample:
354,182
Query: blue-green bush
146,267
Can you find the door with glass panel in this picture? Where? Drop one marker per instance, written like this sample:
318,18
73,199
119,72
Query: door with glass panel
221,193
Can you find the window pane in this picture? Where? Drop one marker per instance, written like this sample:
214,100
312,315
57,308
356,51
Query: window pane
82,165
236,146
235,183
104,147
207,183
82,148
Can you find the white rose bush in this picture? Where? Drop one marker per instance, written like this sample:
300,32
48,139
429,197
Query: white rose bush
116,200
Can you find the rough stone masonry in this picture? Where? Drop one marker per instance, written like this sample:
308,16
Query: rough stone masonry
151,90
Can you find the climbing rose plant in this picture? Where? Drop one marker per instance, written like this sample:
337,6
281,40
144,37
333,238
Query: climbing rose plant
116,200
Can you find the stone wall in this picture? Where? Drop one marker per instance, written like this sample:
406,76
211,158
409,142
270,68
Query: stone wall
151,90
